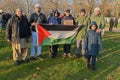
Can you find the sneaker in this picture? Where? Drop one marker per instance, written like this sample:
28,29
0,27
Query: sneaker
69,55
17,62
64,55
40,57
32,59
25,61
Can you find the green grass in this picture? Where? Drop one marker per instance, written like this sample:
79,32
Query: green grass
108,64
107,25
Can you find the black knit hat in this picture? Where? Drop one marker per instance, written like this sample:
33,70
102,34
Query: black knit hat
83,10
67,10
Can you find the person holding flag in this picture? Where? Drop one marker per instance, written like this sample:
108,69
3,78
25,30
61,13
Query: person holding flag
36,18
67,20
54,19
83,21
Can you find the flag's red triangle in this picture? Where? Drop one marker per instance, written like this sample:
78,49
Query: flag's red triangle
42,34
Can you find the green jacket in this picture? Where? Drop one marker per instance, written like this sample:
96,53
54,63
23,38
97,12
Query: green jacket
100,20
13,27
85,22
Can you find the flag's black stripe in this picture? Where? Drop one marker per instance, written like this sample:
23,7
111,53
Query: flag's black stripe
58,27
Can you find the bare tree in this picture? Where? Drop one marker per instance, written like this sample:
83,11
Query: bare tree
86,4
27,7
11,5
116,6
49,5
105,9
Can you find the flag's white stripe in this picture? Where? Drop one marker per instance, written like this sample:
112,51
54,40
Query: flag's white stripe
61,34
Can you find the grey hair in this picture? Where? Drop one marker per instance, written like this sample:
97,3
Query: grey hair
18,9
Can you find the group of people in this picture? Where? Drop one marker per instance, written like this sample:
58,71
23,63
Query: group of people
88,40
4,17
113,23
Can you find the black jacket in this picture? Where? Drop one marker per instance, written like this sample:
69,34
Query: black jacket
13,28
41,18
68,18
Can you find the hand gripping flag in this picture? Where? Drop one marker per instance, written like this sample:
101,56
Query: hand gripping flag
42,34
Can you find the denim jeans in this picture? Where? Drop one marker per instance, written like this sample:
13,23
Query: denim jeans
34,45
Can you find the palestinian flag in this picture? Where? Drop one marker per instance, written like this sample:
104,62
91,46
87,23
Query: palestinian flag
56,34
42,34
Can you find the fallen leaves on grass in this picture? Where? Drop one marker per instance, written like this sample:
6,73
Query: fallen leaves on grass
85,79
102,60
35,75
111,78
38,68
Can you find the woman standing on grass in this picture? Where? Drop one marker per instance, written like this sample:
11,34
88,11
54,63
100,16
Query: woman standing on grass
67,17
54,19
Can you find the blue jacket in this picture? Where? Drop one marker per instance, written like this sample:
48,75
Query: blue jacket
92,43
54,20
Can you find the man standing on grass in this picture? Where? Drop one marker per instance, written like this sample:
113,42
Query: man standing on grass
111,23
116,23
99,19
18,32
36,18
84,21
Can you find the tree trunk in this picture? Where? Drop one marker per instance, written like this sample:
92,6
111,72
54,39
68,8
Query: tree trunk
27,7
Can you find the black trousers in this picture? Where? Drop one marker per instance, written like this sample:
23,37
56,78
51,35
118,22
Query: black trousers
93,60
67,48
111,28
54,50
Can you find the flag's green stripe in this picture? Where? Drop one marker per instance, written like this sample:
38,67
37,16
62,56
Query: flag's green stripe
51,41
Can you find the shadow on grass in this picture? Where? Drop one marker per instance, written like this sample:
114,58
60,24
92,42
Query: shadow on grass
104,68
5,56
27,69
63,69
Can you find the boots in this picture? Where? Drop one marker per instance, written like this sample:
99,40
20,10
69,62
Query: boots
67,55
